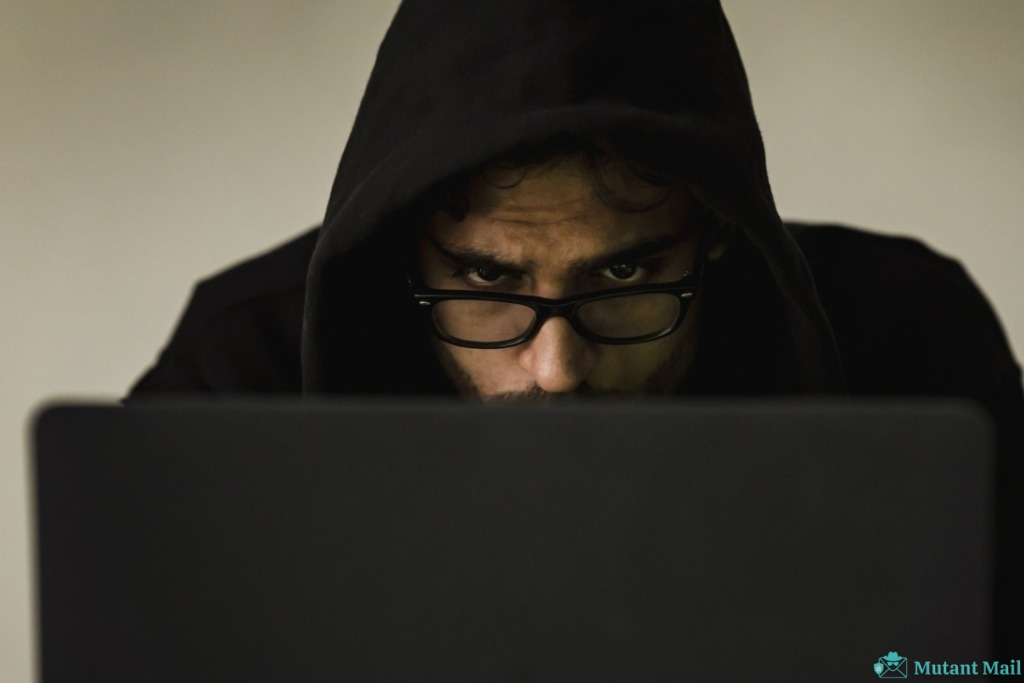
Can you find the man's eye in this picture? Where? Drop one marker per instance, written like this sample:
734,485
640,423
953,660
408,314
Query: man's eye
624,272
486,276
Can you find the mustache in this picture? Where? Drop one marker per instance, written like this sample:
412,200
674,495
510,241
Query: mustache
536,395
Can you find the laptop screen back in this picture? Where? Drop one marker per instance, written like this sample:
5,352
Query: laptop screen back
444,541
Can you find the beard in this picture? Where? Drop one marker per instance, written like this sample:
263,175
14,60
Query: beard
664,380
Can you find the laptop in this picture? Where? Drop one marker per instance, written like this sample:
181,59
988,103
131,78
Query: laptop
600,541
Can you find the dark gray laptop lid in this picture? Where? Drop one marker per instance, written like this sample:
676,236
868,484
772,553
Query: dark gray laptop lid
437,541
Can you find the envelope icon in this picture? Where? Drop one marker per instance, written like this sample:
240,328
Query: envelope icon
891,668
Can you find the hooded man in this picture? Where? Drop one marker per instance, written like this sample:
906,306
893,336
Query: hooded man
556,197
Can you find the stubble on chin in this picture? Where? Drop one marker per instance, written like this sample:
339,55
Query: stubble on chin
662,381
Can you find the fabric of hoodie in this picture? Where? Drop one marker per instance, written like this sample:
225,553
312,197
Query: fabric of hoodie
788,309
459,82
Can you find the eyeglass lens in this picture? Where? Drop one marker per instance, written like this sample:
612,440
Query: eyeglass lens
620,317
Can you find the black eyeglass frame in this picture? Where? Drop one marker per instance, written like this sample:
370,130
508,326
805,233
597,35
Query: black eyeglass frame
544,309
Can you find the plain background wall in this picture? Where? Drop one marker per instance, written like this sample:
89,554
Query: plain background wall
146,144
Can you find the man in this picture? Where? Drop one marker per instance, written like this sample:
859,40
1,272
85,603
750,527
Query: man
548,198
551,236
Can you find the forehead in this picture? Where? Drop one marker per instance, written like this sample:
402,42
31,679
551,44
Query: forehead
565,204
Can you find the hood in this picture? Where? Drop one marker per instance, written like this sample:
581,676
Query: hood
458,82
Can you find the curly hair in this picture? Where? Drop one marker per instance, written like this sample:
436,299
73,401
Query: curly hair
603,169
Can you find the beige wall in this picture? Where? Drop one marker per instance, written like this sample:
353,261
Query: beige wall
147,144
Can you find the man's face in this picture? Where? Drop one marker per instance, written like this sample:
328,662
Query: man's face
551,236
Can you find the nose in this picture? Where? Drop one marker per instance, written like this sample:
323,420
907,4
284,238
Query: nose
557,358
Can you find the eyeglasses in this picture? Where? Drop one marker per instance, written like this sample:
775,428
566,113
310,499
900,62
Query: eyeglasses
627,315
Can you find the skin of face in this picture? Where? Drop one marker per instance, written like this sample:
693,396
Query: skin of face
551,235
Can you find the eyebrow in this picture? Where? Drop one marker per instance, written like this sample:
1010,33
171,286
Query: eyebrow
636,252
469,257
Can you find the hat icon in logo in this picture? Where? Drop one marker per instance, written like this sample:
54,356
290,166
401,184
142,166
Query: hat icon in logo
891,666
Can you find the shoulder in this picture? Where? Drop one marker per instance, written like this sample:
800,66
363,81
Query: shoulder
853,251
254,281
907,319
241,329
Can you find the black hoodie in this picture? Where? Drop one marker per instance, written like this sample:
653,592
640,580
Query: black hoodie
660,82
459,82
